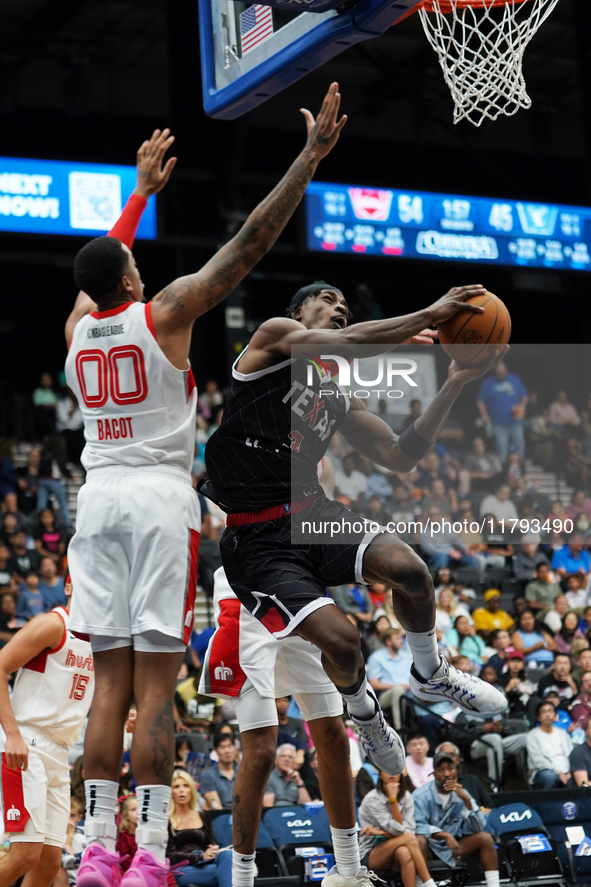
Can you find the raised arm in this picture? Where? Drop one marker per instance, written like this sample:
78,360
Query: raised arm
152,176
180,303
275,337
373,438
42,633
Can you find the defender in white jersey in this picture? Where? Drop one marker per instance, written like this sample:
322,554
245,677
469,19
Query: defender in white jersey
134,555
51,697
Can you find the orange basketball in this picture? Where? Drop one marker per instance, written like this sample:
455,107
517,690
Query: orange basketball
468,338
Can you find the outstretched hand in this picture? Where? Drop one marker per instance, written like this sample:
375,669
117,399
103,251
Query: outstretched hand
324,131
467,374
151,175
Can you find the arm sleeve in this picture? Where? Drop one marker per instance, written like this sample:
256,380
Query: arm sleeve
127,223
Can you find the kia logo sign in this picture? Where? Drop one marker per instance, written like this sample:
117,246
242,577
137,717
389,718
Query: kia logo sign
514,816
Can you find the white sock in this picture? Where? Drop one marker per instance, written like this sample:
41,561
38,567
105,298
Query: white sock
346,850
152,819
429,883
362,703
423,646
242,869
492,879
101,802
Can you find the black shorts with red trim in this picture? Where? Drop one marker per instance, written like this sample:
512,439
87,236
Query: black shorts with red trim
279,569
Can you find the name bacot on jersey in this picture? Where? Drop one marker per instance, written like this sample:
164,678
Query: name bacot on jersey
138,408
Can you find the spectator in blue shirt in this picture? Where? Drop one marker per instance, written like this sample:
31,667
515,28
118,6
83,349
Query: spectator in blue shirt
388,671
30,601
51,586
572,559
501,404
217,783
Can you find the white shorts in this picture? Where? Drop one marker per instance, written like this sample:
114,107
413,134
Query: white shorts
254,711
133,559
36,801
244,662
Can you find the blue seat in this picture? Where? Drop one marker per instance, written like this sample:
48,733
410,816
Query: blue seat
509,824
557,816
297,826
268,859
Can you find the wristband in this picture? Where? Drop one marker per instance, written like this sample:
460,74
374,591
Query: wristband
413,445
392,800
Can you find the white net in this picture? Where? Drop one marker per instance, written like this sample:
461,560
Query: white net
480,49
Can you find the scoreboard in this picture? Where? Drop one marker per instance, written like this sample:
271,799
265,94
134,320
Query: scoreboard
423,225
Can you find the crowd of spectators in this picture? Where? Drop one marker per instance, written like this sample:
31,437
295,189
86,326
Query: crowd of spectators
512,607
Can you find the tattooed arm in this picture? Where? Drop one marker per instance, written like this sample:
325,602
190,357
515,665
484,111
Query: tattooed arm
178,305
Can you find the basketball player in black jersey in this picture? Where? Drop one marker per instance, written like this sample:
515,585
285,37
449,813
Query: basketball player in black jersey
262,463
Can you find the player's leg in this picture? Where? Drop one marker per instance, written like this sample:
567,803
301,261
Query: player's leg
257,719
22,856
43,873
103,749
152,752
387,559
330,630
331,742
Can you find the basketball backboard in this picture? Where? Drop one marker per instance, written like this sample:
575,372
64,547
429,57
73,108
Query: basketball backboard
251,51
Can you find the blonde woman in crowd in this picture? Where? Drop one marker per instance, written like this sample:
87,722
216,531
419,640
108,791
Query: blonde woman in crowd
191,839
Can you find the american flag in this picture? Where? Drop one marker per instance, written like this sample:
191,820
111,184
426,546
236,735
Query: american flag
256,25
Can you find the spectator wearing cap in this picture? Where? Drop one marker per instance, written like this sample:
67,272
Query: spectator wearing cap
580,759
559,679
548,750
518,689
450,824
572,559
490,617
419,765
469,781
541,592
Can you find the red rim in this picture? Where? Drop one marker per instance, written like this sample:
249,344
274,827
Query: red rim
448,6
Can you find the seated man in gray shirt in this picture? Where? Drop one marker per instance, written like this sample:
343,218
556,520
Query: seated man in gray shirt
217,783
285,786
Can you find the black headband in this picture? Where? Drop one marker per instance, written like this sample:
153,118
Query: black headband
312,290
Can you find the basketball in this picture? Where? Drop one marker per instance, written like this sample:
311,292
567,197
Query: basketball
468,338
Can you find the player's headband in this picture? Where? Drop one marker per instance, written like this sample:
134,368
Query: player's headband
312,290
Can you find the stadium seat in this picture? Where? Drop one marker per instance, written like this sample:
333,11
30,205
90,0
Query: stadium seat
294,827
508,824
559,815
269,861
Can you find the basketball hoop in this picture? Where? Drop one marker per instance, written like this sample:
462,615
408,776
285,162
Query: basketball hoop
480,46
